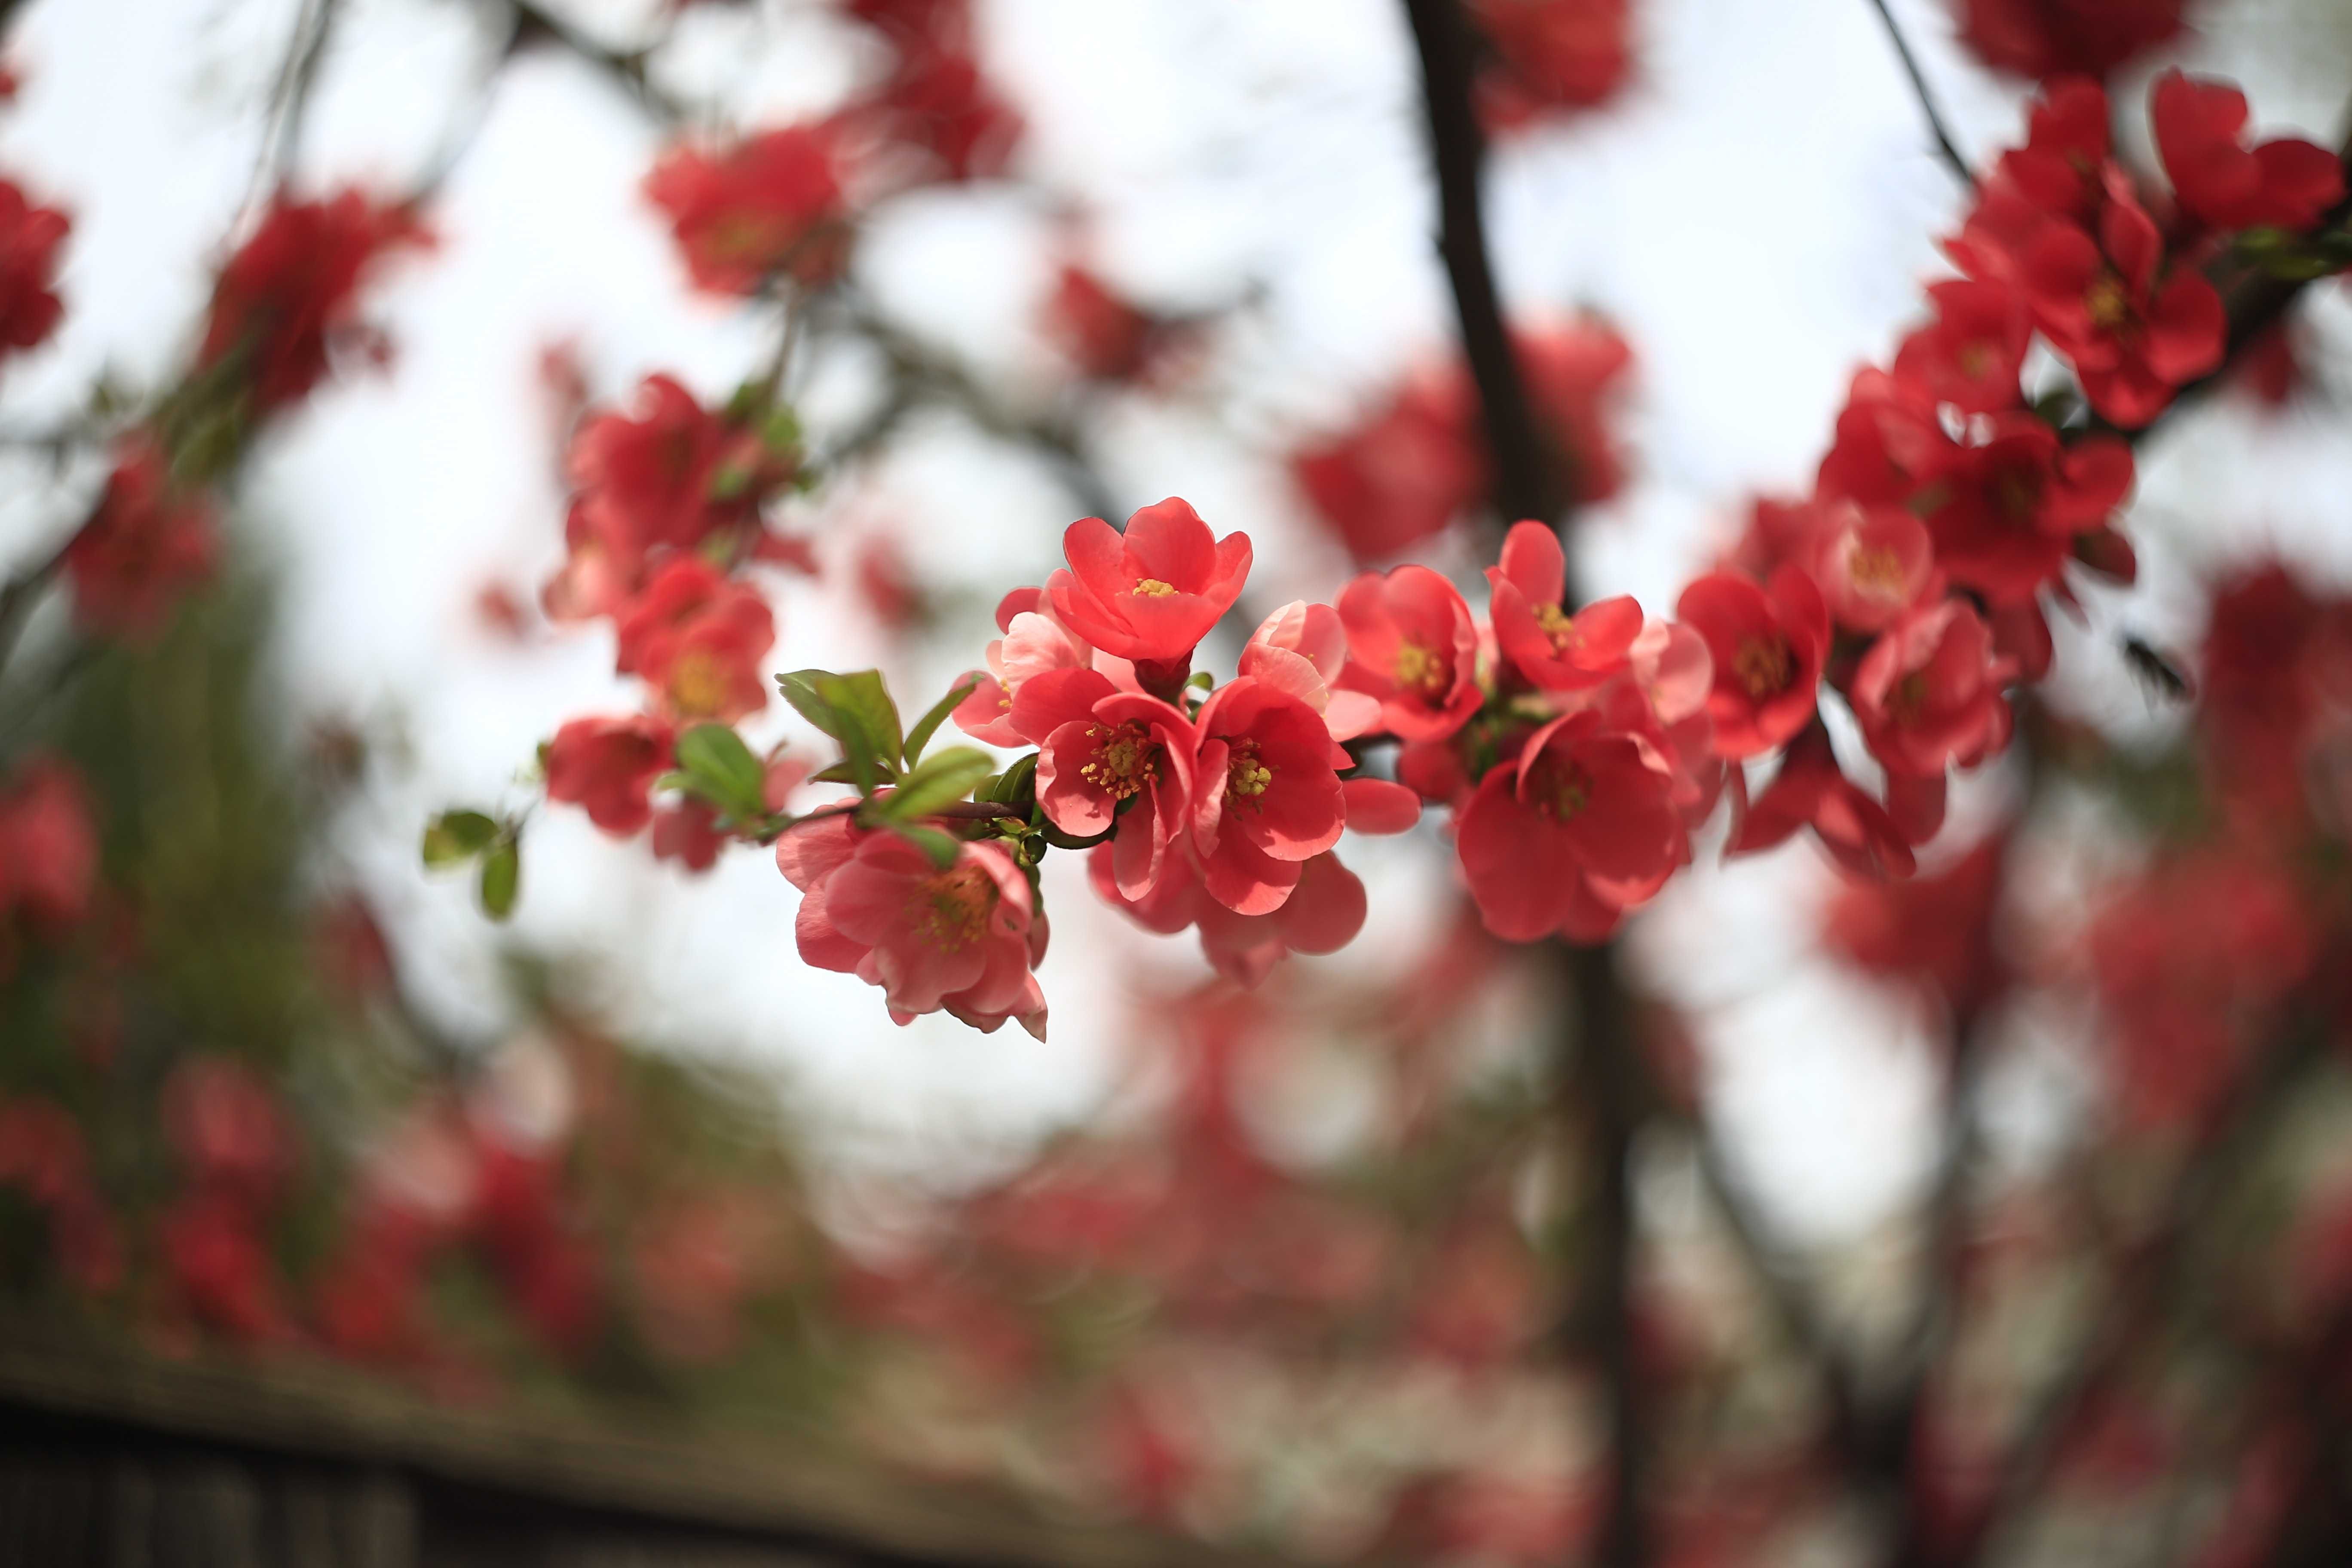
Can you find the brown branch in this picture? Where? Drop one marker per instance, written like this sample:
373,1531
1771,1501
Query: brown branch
1944,143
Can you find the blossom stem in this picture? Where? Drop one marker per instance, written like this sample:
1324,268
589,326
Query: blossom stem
1944,143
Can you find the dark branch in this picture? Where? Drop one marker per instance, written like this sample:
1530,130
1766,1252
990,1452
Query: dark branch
1944,143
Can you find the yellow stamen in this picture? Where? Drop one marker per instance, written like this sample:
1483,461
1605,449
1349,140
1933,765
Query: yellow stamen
1559,626
951,909
1153,588
1763,665
2109,306
697,686
1423,670
1125,758
1876,572
1247,778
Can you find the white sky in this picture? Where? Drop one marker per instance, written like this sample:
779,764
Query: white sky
1756,216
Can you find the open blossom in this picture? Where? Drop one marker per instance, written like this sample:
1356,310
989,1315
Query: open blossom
1412,646
293,285
607,767
1266,796
1152,594
1553,649
1767,645
697,637
1872,564
1034,643
1928,693
30,237
1969,356
1402,473
49,846
937,99
2283,184
770,204
1104,336
2134,326
1580,828
1302,648
963,939
148,541
2013,504
1099,748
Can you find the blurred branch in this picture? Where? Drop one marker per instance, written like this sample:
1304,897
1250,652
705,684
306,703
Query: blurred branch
1944,143
534,22
290,104
1597,1065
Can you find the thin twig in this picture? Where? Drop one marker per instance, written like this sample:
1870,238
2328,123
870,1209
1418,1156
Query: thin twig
290,104
1944,143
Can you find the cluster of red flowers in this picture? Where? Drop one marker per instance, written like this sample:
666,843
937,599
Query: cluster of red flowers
30,237
2047,39
1551,55
666,517
934,99
1418,462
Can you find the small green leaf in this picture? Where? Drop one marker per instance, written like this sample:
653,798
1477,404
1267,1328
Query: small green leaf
799,688
502,877
864,701
781,433
942,848
1015,786
839,772
928,725
455,835
721,769
1061,840
947,777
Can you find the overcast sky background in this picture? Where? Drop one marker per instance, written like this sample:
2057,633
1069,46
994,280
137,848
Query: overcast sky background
1755,214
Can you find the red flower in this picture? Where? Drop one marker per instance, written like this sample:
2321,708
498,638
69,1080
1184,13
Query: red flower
696,638
608,766
937,101
2133,332
2058,37
1266,796
1034,643
1767,645
1554,650
1104,336
1402,473
874,906
1411,645
1572,369
148,543
770,204
30,237
221,1268
2069,147
1152,594
1553,54
1969,358
1580,829
1302,650
49,846
2282,183
293,284
1323,913
2015,503
1811,791
1928,693
44,1156
689,834
1099,748
1872,564
667,479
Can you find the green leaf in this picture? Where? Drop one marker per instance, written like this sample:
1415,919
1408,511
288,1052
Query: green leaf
502,877
1016,786
455,835
721,769
800,690
942,848
864,703
945,778
928,725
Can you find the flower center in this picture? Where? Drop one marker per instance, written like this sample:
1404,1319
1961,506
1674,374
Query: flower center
1247,778
950,911
1762,665
1559,626
1876,572
1125,758
1563,789
1421,668
1153,588
2108,304
1909,696
2018,492
697,686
